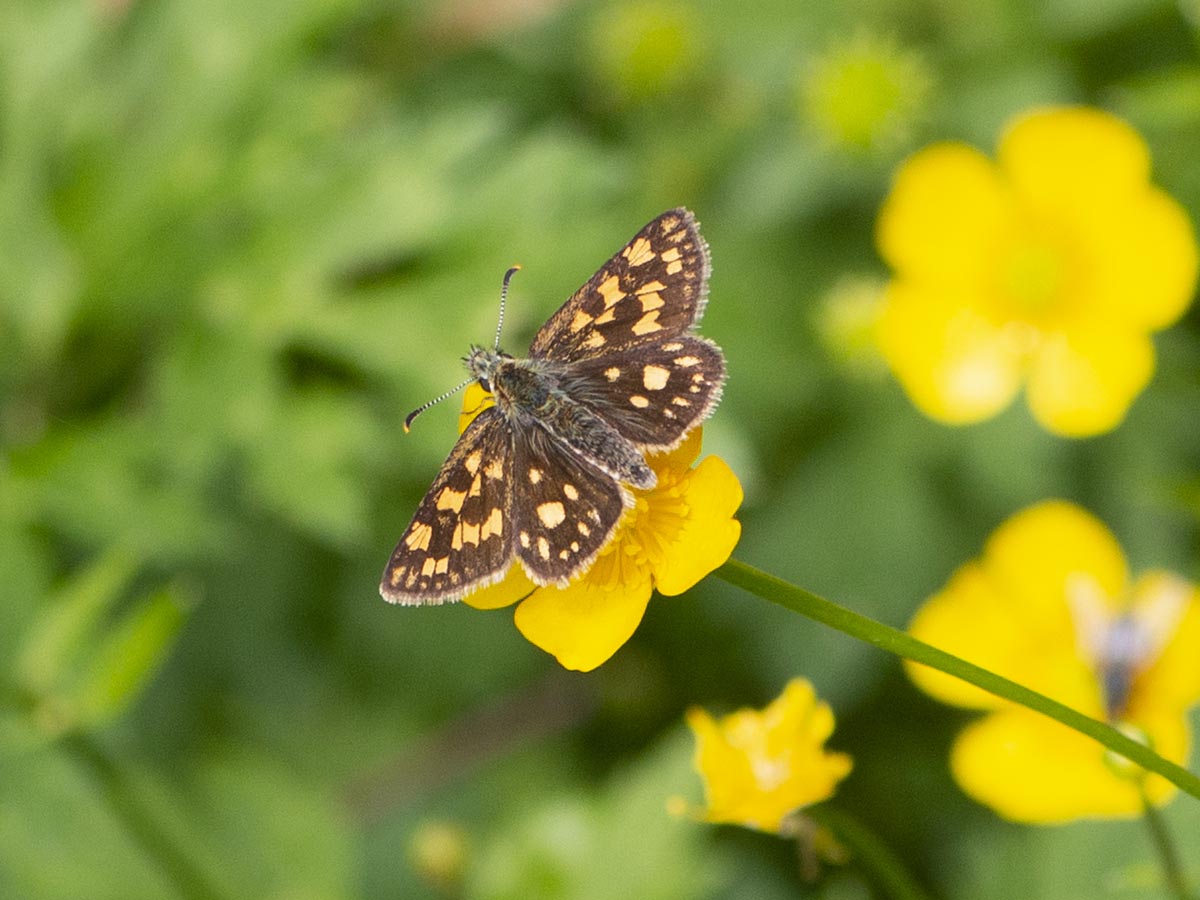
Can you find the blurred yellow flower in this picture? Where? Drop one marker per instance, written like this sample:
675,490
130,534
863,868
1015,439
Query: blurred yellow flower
1050,604
759,768
439,852
645,49
1048,268
864,93
675,534
847,322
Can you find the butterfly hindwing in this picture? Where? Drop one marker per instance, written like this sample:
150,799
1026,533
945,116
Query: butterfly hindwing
652,394
461,536
564,508
654,288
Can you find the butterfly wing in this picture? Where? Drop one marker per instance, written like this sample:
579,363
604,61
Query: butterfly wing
652,394
653,289
564,508
460,538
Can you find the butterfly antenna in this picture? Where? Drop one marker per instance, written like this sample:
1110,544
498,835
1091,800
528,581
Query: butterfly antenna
450,393
504,296
424,406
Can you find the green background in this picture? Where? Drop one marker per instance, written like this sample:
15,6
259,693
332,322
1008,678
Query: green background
239,241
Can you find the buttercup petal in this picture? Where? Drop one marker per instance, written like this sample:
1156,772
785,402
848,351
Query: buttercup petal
681,457
955,365
1168,733
760,766
585,623
507,591
1029,768
1144,258
475,401
1074,157
731,794
1010,612
1172,681
1083,383
943,216
1035,554
971,620
709,533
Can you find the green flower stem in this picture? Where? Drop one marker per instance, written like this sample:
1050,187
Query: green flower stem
902,644
1168,855
871,854
190,881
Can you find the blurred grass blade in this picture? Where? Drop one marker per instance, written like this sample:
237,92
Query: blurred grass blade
129,656
787,595
67,627
876,859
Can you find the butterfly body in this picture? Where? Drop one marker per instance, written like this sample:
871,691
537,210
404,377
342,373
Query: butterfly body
543,476
537,393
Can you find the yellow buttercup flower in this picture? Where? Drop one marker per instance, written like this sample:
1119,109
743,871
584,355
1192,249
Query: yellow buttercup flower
847,320
865,93
675,534
646,49
1048,268
760,768
1051,605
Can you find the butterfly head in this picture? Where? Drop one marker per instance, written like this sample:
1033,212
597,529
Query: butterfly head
483,363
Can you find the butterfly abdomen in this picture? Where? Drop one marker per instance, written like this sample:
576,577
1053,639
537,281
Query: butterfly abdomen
530,394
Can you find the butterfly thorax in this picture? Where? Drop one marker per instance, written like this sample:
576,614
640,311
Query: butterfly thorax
534,395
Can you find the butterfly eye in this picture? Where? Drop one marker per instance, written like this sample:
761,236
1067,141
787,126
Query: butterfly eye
486,384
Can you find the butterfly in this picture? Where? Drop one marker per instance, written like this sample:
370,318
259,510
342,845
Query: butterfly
542,477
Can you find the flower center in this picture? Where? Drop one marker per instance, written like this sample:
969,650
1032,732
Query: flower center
644,535
1122,640
654,521
1033,279
770,772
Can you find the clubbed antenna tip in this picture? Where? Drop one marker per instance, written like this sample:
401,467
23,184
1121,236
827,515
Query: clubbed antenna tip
424,406
513,270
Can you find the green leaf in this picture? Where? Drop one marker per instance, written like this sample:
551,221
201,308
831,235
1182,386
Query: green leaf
620,843
130,654
1163,99
60,839
67,628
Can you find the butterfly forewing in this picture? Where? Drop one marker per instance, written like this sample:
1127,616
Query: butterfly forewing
653,394
653,289
461,536
565,509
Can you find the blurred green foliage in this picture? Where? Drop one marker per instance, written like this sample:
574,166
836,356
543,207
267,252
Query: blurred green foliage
238,241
